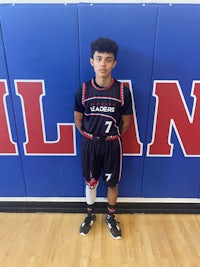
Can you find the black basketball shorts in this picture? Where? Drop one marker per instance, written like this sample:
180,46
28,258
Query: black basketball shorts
102,158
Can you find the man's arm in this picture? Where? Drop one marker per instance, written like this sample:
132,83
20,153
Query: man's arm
125,123
78,118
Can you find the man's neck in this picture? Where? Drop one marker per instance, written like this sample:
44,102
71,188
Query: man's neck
103,82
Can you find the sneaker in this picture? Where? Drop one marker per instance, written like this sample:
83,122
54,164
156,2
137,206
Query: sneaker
113,226
87,224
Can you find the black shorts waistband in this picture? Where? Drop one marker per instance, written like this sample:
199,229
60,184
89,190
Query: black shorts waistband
100,138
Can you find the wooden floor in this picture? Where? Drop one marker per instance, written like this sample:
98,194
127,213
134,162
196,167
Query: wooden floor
53,240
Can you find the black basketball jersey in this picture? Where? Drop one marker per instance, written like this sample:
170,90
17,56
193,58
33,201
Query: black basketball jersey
103,107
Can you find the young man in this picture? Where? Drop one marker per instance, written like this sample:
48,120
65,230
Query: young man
102,114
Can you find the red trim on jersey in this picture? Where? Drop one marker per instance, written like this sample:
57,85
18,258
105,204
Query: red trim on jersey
102,97
120,165
103,88
83,93
106,138
111,137
90,136
122,94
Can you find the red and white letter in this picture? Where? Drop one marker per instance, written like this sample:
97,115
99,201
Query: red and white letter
31,93
131,142
172,113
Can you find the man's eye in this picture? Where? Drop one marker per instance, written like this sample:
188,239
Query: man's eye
109,60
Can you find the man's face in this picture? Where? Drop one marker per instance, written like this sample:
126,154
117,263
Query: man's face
103,64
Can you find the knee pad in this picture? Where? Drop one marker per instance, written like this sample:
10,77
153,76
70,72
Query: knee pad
92,183
91,192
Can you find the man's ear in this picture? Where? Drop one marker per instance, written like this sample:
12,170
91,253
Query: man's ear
115,63
92,62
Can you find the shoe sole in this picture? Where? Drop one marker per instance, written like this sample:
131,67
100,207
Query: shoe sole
84,233
116,238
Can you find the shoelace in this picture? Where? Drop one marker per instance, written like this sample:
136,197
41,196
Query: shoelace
113,221
89,218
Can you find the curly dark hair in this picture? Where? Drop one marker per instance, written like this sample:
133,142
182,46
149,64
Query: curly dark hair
104,45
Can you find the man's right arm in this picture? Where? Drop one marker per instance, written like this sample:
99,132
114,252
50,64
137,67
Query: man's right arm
78,119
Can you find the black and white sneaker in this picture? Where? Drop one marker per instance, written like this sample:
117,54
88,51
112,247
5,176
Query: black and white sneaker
87,224
113,226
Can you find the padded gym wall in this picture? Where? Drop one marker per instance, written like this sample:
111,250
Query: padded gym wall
44,53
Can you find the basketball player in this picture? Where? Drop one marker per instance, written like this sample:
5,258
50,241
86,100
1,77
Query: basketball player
103,109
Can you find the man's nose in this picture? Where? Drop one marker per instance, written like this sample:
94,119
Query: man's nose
103,62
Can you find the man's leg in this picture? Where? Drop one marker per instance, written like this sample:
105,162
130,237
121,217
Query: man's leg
113,225
112,199
91,191
112,195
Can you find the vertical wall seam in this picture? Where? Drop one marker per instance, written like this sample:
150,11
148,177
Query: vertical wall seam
11,97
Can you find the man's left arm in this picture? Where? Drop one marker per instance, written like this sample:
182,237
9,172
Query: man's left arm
125,123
